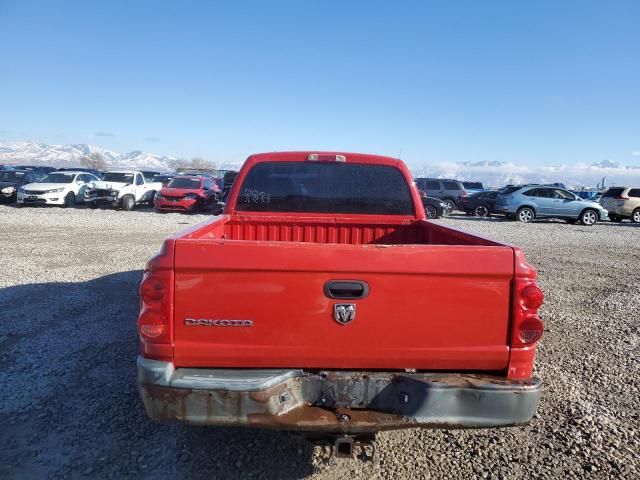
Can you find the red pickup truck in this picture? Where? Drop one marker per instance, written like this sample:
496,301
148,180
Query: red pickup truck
323,301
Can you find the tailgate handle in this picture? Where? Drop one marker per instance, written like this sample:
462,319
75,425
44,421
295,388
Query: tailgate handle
346,289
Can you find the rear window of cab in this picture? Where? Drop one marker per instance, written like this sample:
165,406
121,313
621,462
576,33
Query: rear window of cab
321,187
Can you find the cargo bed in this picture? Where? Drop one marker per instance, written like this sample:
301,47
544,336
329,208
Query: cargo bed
353,230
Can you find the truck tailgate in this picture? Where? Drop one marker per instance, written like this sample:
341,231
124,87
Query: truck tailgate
431,307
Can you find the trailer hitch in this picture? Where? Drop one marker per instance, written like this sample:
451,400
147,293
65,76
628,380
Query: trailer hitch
361,447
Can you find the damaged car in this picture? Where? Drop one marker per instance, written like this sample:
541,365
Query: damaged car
58,188
124,189
12,180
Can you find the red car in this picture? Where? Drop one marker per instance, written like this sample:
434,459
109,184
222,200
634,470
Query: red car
187,193
322,301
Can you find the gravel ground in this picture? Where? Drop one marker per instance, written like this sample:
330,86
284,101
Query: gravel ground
69,405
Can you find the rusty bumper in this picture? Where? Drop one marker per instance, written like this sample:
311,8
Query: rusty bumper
333,401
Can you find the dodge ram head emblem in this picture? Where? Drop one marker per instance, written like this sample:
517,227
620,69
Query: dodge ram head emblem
344,312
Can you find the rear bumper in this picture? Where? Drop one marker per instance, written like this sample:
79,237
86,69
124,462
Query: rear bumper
333,401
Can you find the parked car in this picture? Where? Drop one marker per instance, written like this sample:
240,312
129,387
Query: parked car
473,187
125,189
322,301
529,202
57,188
164,178
586,194
480,204
227,182
38,168
187,194
92,171
12,180
621,203
194,173
149,175
433,207
449,191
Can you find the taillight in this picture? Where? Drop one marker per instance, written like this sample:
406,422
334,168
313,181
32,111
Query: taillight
532,297
154,321
530,330
152,289
527,326
152,325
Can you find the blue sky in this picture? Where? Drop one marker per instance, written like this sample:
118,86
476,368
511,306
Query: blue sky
533,83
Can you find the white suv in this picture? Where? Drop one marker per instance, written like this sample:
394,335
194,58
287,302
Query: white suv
57,188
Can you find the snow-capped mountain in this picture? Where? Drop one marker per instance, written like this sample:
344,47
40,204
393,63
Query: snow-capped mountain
33,153
486,163
43,154
606,163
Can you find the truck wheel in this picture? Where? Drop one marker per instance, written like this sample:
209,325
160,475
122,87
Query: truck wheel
128,202
152,197
69,200
526,215
92,204
588,218
450,205
635,216
431,211
481,211
615,218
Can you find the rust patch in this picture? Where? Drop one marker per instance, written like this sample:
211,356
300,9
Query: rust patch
263,396
318,419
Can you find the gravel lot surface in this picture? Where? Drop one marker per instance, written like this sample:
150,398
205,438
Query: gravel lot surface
69,405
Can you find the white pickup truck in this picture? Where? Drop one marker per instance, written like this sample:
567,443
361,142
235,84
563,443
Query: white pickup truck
122,188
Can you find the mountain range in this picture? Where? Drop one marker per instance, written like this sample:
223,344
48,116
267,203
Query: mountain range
491,173
33,153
